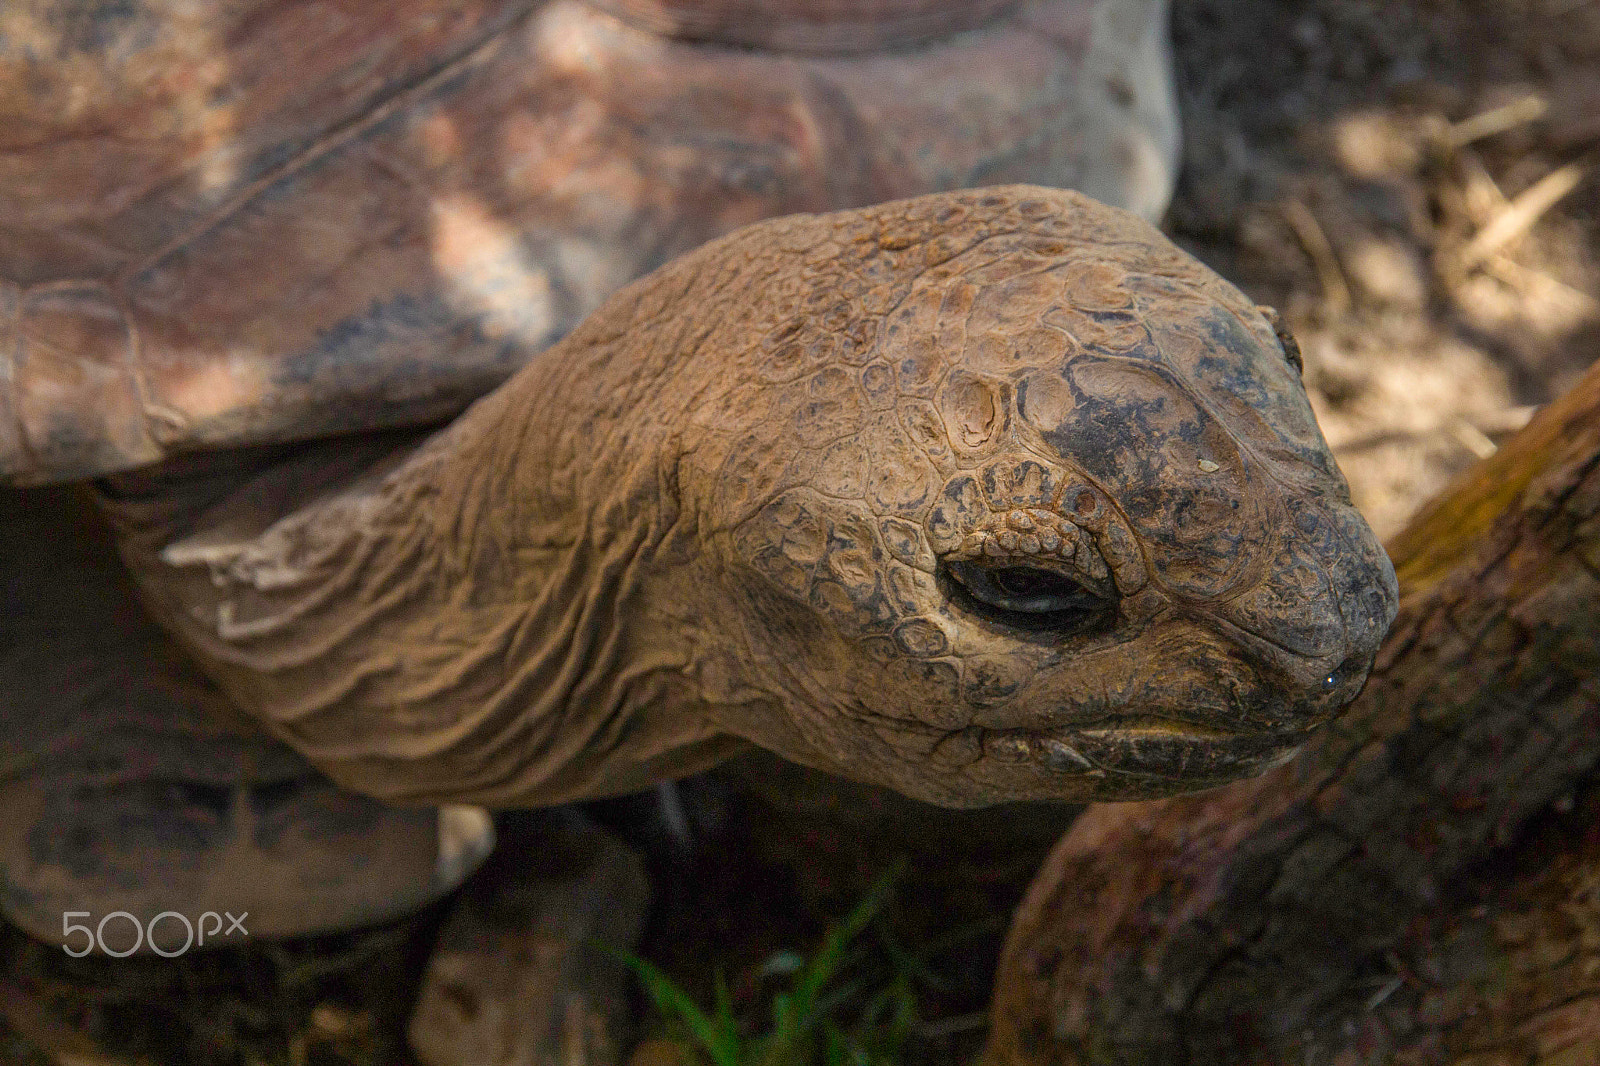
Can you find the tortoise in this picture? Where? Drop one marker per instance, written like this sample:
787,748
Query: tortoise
983,496
247,223
980,495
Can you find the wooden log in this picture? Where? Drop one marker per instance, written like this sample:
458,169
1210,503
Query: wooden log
1281,920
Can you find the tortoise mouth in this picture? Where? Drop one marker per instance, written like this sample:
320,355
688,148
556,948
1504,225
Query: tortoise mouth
1147,746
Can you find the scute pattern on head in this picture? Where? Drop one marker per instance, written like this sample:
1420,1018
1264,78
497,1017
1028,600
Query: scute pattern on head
1020,378
873,298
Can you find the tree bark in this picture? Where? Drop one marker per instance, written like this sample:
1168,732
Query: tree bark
1377,899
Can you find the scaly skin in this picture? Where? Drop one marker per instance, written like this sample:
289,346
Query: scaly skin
730,507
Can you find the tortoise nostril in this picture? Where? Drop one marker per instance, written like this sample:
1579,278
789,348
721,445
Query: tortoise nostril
1353,668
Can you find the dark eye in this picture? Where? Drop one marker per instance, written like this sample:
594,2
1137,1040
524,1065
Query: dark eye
1025,596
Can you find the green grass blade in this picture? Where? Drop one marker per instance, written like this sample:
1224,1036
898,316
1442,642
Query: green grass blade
717,1035
822,967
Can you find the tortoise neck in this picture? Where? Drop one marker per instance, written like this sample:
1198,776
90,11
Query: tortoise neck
459,620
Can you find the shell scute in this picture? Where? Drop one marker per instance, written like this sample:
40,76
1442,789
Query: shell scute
976,410
926,429
830,406
841,469
1103,331
1019,484
906,543
900,480
910,589
922,638
877,381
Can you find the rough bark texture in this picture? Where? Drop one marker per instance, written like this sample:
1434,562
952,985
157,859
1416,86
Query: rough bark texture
1320,914
1511,976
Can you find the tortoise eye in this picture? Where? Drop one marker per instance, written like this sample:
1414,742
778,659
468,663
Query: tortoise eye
1028,597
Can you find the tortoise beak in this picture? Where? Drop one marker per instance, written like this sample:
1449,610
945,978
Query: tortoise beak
1177,751
1183,754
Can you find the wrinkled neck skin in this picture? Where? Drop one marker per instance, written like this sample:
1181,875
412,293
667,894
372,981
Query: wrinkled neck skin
508,613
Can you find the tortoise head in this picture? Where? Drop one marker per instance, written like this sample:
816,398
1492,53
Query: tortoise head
1044,514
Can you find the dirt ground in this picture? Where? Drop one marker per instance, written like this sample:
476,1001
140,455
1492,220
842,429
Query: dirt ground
1415,185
